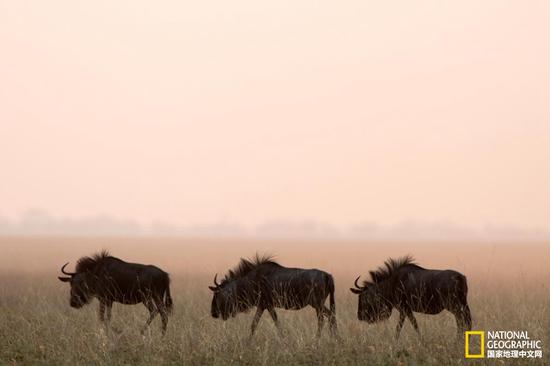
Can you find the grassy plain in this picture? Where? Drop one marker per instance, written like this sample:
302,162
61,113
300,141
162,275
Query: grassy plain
507,281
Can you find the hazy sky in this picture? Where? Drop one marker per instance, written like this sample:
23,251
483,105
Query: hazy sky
247,111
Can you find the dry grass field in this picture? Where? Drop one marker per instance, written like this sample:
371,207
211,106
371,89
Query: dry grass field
507,281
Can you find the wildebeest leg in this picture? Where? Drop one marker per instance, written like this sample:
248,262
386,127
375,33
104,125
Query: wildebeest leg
331,320
163,313
102,312
320,321
463,320
275,320
153,310
105,313
105,309
256,320
412,319
108,308
399,324
459,324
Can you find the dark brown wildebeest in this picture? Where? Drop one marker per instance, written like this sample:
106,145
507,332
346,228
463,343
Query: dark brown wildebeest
409,288
263,283
110,279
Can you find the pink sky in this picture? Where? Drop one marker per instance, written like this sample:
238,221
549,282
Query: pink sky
247,111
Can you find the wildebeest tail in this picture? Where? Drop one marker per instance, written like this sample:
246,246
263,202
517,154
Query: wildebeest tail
330,289
465,314
332,315
168,303
463,290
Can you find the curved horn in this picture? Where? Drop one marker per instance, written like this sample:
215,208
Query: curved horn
67,273
356,284
215,280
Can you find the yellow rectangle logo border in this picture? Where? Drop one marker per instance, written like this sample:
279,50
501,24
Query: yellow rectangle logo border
467,335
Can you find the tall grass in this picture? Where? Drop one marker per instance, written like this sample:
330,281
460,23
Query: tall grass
37,326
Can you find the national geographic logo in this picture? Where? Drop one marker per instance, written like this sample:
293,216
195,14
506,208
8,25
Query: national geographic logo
501,344
474,333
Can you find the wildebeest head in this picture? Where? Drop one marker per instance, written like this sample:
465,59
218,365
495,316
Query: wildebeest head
81,287
227,301
373,305
223,301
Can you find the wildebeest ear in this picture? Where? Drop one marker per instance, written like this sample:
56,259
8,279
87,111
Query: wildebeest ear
64,279
213,288
355,290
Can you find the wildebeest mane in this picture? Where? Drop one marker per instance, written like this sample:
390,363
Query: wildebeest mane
390,266
245,266
89,263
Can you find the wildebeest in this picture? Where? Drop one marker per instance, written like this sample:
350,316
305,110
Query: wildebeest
110,279
263,283
409,288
